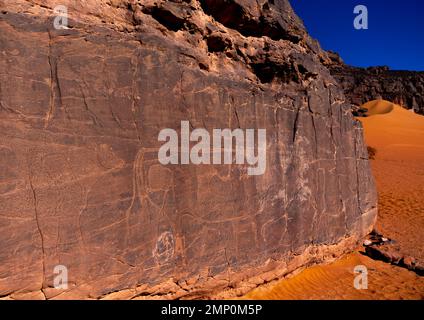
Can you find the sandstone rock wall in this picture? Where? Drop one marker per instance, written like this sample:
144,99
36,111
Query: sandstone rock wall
81,185
361,85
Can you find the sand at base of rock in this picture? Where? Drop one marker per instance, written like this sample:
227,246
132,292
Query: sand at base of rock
336,281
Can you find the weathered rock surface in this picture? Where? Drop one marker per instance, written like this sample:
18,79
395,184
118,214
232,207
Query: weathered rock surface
360,85
388,250
81,185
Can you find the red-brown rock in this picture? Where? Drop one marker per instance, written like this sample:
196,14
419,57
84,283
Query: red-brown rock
81,185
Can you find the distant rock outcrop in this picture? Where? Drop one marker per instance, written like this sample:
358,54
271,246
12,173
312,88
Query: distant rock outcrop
360,85
81,185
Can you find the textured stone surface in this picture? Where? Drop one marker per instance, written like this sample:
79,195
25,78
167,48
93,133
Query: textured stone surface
360,85
81,185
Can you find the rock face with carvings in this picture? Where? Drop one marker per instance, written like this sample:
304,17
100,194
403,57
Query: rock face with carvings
81,186
361,85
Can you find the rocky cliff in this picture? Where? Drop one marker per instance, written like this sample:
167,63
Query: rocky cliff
81,185
361,85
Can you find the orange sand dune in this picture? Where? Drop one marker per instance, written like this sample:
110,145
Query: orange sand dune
378,107
396,133
398,136
398,169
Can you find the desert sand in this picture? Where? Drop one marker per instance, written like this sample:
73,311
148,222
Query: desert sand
397,135
398,169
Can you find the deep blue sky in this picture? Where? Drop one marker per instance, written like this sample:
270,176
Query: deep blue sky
395,36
